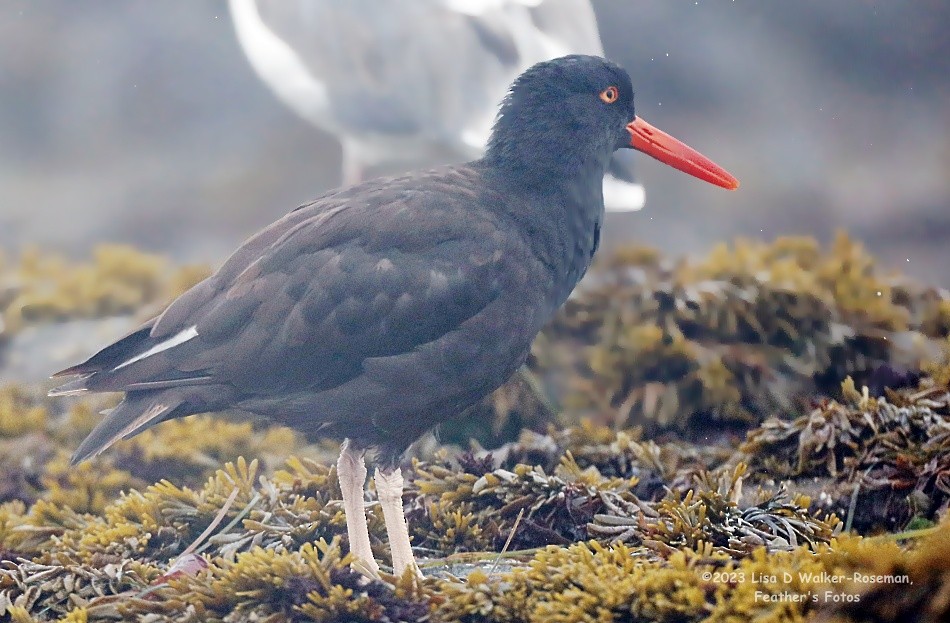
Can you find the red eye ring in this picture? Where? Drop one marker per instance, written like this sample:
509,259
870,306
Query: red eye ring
609,95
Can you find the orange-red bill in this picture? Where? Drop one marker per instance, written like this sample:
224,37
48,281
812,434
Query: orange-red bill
668,150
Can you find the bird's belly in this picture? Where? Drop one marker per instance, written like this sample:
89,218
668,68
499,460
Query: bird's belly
397,398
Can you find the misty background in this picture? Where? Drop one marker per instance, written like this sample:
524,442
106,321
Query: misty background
141,122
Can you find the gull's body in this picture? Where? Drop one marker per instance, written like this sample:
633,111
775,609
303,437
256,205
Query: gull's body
415,83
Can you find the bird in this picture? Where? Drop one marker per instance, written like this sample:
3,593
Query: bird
415,83
378,310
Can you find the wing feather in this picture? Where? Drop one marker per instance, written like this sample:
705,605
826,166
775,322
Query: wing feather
305,303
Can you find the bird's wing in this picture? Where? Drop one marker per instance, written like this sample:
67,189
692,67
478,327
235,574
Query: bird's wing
307,302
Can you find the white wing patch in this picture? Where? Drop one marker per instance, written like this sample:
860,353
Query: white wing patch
172,342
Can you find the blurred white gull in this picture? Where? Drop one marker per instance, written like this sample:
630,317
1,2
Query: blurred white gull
414,83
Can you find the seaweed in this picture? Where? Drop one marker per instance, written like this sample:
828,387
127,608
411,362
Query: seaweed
714,513
717,345
848,580
540,508
888,455
631,497
702,555
117,280
36,433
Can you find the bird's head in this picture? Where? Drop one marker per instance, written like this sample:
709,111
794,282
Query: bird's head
578,109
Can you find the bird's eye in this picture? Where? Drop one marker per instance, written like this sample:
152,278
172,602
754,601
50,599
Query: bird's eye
609,95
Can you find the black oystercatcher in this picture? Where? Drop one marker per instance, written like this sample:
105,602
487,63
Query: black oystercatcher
376,311
414,82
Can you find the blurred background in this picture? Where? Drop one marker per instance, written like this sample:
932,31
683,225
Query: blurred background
143,123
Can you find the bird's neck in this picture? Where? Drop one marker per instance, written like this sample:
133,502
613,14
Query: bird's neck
559,210
538,159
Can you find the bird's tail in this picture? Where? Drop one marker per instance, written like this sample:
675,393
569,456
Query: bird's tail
133,415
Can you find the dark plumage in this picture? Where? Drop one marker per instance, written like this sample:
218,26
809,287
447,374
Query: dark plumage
378,310
369,314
